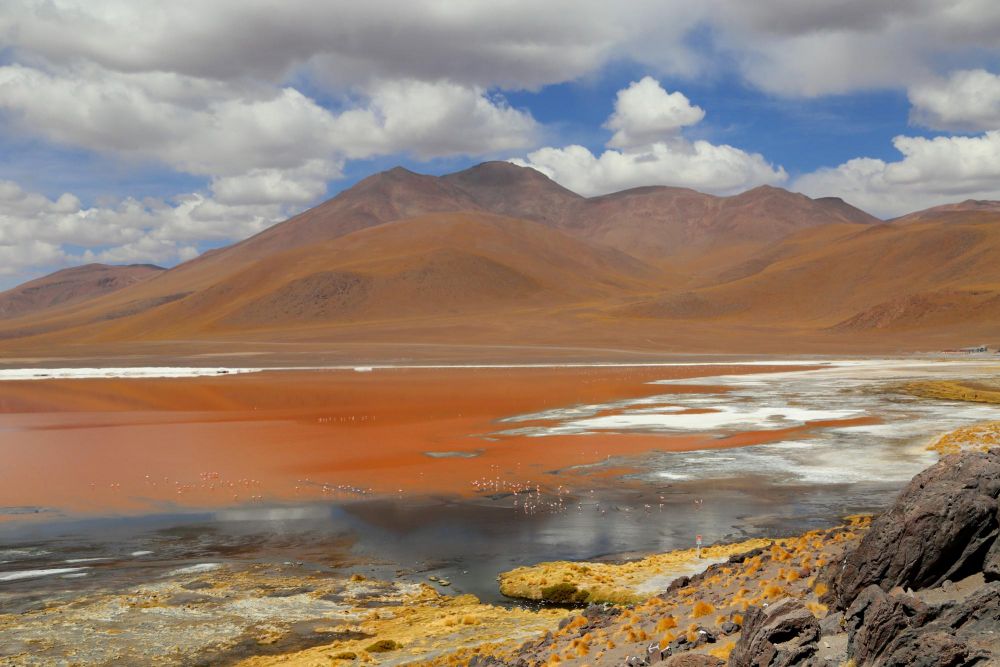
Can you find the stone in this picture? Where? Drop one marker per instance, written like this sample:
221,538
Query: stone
897,630
991,564
943,526
832,624
729,628
693,660
782,635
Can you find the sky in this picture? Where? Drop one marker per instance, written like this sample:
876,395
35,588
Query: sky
139,131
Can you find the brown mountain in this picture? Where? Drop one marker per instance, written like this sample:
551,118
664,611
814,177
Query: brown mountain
70,286
855,278
651,223
966,211
501,256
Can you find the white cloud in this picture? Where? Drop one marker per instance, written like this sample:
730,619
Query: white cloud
966,100
786,46
645,112
647,121
431,119
514,43
817,48
932,172
275,137
37,233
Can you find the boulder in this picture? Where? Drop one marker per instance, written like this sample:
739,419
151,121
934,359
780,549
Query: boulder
783,634
991,565
942,526
894,629
693,660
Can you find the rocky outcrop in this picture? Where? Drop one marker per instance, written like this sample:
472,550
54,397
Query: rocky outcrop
893,594
693,660
942,527
898,629
780,635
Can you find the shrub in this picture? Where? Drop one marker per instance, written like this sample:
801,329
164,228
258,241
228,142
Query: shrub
346,655
564,593
701,608
383,646
722,652
774,591
666,623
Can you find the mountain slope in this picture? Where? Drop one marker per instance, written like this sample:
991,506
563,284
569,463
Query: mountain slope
856,277
70,286
969,210
461,263
402,259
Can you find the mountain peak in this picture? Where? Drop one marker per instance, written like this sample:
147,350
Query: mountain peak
501,174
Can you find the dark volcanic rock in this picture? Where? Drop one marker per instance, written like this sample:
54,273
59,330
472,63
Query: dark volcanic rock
693,660
942,527
897,630
991,566
781,635
876,618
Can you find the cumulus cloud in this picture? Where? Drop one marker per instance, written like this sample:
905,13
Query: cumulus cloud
645,112
810,48
36,233
965,100
277,138
512,44
786,46
647,148
932,171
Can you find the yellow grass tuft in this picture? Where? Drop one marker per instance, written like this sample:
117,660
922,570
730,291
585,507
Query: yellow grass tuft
779,554
774,591
722,652
666,623
821,589
817,608
701,608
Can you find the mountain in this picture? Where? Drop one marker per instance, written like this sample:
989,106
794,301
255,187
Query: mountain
858,278
500,257
661,222
434,264
651,223
70,286
969,210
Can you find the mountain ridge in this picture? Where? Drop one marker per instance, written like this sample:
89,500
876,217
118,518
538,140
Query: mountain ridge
499,253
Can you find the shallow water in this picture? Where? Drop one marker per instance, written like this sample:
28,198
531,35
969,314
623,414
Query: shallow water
773,489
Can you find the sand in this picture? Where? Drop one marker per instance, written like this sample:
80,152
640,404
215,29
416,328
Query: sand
116,445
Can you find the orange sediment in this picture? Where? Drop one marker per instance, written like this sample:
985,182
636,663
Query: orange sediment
132,445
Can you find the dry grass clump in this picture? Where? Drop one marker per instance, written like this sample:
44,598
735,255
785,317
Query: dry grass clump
722,651
701,608
979,437
952,390
618,583
666,623
383,646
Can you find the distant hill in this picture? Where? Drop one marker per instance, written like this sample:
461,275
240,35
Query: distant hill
500,255
70,286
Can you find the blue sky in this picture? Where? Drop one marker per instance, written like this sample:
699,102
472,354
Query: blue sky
142,132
